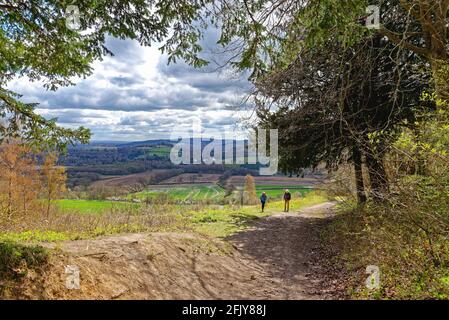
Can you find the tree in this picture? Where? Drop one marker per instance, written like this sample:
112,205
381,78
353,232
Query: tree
420,26
53,180
329,111
37,43
249,190
424,32
28,181
18,178
267,35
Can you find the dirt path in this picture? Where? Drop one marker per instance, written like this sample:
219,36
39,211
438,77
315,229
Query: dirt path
285,246
274,259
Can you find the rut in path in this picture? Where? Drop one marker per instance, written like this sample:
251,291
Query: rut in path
273,259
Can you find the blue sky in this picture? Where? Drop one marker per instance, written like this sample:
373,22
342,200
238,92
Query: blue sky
135,95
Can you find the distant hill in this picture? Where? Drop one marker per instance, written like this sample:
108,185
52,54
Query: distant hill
99,159
145,143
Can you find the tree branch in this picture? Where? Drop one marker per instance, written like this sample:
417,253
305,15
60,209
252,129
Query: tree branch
444,7
420,15
400,41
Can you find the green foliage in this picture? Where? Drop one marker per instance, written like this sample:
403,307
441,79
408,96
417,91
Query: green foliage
36,42
16,259
412,262
34,236
35,130
330,112
259,35
266,35
426,143
334,19
405,235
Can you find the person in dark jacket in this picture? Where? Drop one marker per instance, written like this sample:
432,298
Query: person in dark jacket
287,198
263,200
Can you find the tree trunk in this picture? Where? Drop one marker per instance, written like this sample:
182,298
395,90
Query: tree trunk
438,62
440,75
48,205
359,184
377,176
24,201
10,186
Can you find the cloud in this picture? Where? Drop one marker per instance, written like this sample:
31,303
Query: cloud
135,95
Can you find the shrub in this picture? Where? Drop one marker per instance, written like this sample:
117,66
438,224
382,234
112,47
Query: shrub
16,260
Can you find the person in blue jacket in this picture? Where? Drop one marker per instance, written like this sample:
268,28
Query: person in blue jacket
263,200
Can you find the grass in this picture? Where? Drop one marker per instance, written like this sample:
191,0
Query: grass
278,191
75,226
34,236
226,220
221,223
310,199
161,151
373,235
15,262
212,220
92,206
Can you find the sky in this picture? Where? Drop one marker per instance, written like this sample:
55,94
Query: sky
136,96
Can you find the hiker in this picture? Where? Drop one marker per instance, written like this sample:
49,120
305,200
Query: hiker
263,200
287,198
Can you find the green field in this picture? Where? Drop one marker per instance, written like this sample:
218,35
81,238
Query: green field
182,193
196,193
160,151
92,206
278,191
212,220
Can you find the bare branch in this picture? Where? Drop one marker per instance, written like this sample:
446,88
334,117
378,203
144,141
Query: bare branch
400,41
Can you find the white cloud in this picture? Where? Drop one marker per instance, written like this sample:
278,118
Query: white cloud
134,95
